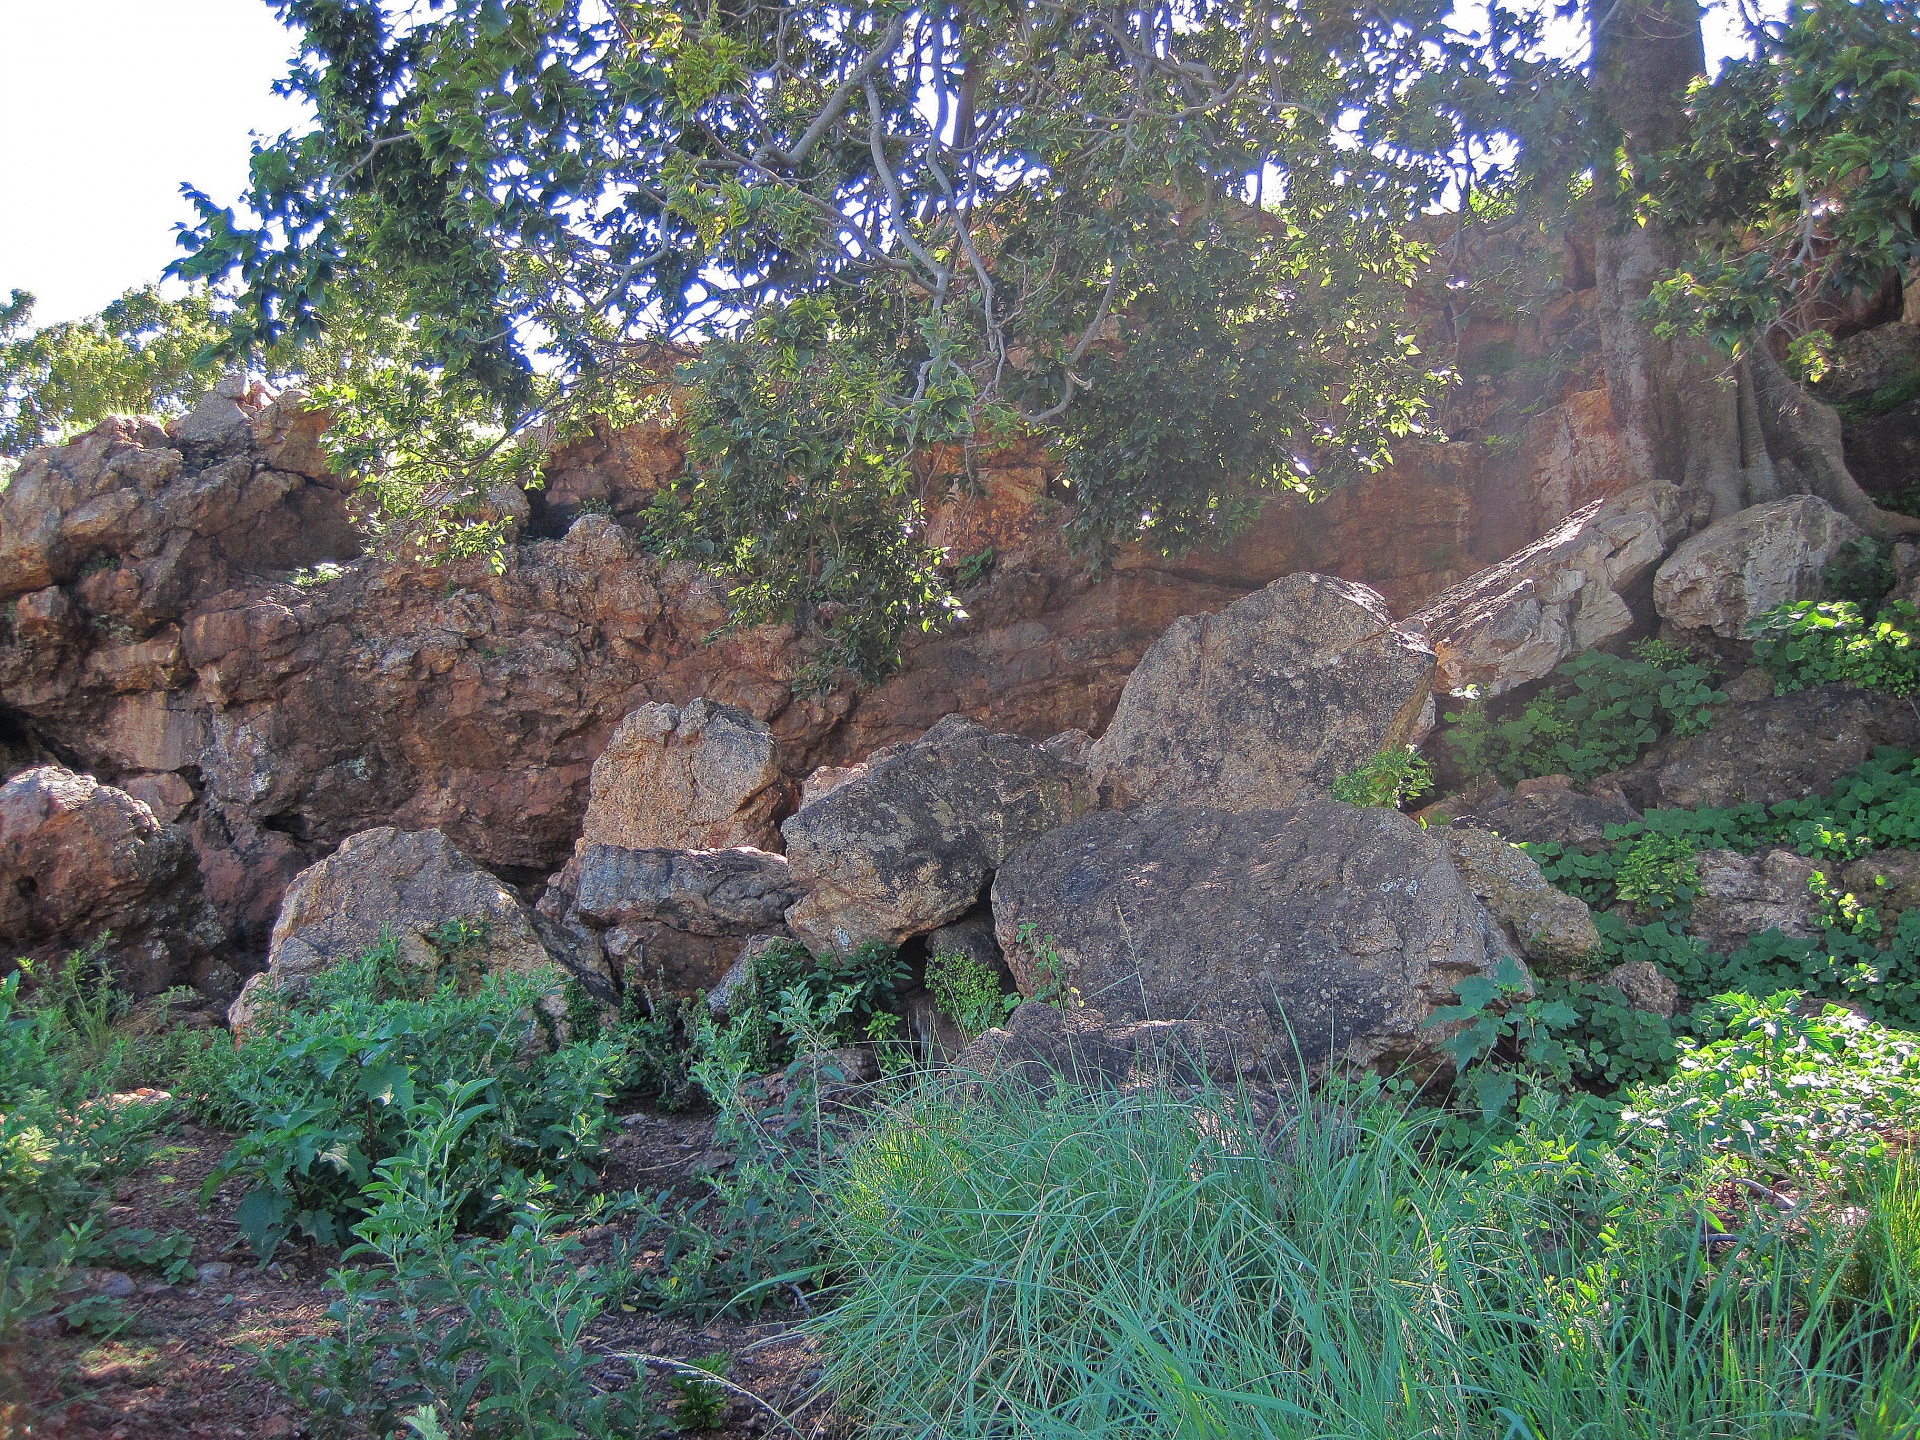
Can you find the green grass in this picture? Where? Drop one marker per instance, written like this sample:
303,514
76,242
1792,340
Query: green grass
1151,1265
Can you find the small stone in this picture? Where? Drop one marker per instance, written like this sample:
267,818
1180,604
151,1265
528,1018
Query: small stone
116,1284
1644,987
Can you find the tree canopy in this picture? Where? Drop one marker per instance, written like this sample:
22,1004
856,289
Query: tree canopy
867,240
1175,237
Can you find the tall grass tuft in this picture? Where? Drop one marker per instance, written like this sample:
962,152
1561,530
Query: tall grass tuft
1156,1265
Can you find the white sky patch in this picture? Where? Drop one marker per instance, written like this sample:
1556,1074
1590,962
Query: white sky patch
107,106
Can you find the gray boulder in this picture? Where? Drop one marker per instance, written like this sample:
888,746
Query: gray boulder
1266,703
1043,1045
1744,895
671,917
1549,926
740,891
910,845
1325,934
1764,556
412,883
1642,986
1549,810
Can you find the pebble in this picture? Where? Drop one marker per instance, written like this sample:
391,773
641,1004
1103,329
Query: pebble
116,1283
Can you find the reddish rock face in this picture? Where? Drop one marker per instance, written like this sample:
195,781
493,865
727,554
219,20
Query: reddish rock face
158,627
82,862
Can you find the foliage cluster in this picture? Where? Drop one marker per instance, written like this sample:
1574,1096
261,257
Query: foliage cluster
1602,712
1795,180
967,991
1837,642
1390,779
1172,239
142,355
64,1143
321,1091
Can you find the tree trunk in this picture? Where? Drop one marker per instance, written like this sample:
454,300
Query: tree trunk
1736,432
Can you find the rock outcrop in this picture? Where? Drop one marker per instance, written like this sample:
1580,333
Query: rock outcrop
1574,588
1743,895
1548,926
1547,810
910,845
1266,703
701,776
671,917
1739,568
1887,881
83,862
1321,935
414,885
1780,748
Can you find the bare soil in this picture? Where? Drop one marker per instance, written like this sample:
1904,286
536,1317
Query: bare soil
179,1366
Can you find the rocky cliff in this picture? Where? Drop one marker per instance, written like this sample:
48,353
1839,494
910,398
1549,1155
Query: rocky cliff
185,614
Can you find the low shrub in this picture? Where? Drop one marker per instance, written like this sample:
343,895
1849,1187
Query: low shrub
1796,1091
1835,642
1601,714
321,1090
64,1141
859,988
451,1335
968,993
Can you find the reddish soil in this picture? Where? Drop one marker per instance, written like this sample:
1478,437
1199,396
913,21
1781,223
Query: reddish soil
178,1367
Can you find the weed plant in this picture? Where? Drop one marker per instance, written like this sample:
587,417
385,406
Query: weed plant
967,991
1388,780
322,1087
64,1143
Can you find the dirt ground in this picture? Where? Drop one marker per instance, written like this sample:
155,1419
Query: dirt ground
178,1367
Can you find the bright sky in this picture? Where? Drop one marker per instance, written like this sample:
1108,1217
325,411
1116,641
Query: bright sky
106,106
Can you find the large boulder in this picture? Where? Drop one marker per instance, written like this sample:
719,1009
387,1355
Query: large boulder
672,917
1042,1045
1266,703
1550,927
1545,810
699,776
413,884
1322,935
910,845
1736,570
80,860
1574,588
1783,747
1744,895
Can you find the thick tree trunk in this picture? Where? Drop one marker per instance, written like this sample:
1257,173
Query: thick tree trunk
1736,432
